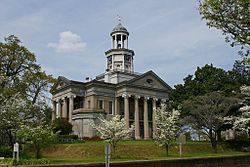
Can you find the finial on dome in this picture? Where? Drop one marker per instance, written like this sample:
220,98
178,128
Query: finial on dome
119,18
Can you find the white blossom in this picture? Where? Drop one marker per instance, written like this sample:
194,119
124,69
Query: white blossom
113,130
242,120
166,120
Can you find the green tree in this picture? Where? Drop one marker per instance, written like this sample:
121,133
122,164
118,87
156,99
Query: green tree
38,137
62,126
205,80
207,114
209,79
21,76
232,17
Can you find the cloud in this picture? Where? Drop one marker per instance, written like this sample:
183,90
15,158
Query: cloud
68,42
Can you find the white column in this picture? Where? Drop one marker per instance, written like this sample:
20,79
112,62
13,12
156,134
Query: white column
122,41
65,108
53,110
117,106
137,125
59,108
126,110
115,42
146,131
71,107
127,41
112,42
153,115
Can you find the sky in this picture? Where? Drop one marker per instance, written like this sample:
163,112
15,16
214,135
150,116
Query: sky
69,37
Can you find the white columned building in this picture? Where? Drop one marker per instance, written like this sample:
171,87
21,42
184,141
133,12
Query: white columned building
119,90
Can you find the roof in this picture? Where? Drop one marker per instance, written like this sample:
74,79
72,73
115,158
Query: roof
119,28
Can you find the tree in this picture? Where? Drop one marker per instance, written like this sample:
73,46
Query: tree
232,17
22,78
62,126
113,130
241,120
207,113
166,119
39,137
209,79
12,113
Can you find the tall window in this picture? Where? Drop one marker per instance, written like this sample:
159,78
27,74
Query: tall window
100,104
110,107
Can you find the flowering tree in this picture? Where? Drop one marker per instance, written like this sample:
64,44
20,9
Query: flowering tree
113,130
241,121
38,137
166,119
12,113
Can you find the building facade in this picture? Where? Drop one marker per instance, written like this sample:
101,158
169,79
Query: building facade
119,90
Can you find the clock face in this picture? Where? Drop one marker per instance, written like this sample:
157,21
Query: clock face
127,58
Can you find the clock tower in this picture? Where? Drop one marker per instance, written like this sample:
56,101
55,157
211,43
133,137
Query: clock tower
119,57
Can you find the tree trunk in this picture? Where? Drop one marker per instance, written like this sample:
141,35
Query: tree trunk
37,153
219,138
213,141
167,148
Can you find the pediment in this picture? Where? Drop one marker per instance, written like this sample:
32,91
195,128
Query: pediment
61,82
150,80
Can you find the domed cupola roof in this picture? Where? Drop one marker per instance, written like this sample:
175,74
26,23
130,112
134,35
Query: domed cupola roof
119,28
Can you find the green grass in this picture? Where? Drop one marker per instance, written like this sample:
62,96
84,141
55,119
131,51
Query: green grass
93,151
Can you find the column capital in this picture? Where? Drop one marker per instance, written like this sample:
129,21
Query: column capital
71,96
137,96
155,99
126,95
146,98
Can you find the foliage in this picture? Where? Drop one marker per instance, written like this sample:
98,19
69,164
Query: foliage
209,79
232,17
67,138
5,151
113,130
95,138
208,112
33,161
7,161
22,82
12,114
62,126
241,120
38,137
166,119
237,144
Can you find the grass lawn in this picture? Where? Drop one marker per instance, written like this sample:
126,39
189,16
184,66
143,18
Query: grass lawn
93,151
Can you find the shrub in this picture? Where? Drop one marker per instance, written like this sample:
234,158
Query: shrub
94,138
7,161
62,126
238,145
5,151
32,161
67,138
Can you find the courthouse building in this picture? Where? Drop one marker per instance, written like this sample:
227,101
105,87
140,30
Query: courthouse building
119,90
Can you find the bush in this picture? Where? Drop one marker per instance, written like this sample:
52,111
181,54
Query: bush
5,151
62,126
67,138
7,161
32,161
95,138
238,145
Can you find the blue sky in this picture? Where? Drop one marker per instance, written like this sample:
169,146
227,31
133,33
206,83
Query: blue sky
69,37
